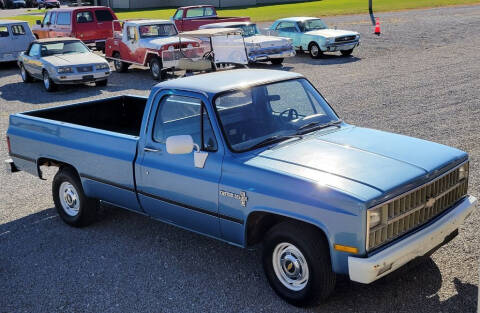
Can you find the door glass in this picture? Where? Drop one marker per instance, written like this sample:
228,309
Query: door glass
195,12
287,27
103,16
46,19
84,17
53,18
34,50
209,12
18,30
179,115
63,18
3,31
178,15
131,33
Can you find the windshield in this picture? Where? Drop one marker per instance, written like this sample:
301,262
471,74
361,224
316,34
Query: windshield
63,48
249,30
253,116
309,25
157,30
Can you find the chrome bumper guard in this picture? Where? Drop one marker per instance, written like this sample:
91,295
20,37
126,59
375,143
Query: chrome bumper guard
10,166
367,270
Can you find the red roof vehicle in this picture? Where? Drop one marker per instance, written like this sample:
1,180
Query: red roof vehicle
92,25
192,17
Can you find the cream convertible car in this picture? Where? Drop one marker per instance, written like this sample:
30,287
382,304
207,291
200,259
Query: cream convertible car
62,61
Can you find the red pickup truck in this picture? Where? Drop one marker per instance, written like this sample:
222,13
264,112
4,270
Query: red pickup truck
92,25
192,17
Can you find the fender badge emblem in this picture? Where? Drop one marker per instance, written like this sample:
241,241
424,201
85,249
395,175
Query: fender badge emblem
242,196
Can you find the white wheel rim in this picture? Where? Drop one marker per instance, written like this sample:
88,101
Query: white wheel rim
69,199
290,266
314,50
118,64
155,69
46,80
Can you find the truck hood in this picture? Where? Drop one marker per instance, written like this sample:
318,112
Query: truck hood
74,59
158,43
329,33
267,41
351,156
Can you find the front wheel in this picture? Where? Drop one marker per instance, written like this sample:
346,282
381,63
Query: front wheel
277,61
315,52
120,67
26,77
72,205
296,260
156,69
48,82
346,52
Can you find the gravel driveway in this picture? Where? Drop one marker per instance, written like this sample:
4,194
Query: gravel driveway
420,78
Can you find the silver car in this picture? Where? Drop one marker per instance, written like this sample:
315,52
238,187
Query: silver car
62,61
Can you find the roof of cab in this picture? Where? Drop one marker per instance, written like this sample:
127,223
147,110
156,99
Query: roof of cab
5,22
217,82
56,39
297,18
196,6
225,25
147,22
69,9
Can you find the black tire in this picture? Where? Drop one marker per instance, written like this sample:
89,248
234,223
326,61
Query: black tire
315,52
26,77
346,52
87,207
120,67
48,83
277,61
315,250
156,70
101,83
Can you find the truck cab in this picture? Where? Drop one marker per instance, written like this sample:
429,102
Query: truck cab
192,17
143,42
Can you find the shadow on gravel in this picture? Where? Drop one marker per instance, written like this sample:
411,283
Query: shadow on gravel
326,59
125,259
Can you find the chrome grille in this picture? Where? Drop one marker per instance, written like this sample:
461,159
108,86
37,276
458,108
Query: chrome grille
345,38
417,207
85,69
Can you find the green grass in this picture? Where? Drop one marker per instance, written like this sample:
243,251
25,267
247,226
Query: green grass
313,8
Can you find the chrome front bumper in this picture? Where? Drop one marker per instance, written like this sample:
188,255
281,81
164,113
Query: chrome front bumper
80,78
257,56
340,46
367,270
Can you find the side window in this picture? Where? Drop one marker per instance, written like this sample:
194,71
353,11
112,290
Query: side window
18,30
34,50
63,18
195,12
179,115
286,27
4,31
46,19
281,99
178,15
53,18
103,16
84,17
209,12
131,33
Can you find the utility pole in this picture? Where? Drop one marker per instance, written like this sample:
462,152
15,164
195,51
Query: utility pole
370,11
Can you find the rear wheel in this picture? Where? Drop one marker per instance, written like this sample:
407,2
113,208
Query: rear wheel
346,52
120,67
277,61
156,69
72,205
26,77
296,260
48,82
315,52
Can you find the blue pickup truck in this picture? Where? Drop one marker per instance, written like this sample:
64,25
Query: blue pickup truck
253,156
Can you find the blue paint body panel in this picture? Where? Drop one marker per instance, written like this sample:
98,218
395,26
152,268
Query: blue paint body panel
328,178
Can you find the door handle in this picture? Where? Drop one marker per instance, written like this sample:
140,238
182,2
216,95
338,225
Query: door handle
146,149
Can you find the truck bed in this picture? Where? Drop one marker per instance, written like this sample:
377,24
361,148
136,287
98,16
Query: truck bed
121,114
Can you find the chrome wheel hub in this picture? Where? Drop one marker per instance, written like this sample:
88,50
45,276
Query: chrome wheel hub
69,199
22,71
118,64
46,80
155,69
290,266
314,50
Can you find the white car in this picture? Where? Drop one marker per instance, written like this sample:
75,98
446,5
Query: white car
62,61
260,48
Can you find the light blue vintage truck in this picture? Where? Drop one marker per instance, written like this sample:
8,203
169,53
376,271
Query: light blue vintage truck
253,156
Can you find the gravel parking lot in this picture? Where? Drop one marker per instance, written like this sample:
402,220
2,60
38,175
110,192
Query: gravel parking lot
419,78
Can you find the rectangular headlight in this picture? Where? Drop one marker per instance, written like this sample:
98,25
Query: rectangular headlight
63,70
375,216
463,171
102,66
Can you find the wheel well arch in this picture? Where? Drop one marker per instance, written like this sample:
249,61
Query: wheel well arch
258,223
312,42
43,161
150,56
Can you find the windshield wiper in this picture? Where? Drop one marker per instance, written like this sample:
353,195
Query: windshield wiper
316,126
273,139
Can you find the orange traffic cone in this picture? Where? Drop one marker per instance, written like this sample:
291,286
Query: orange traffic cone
377,28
